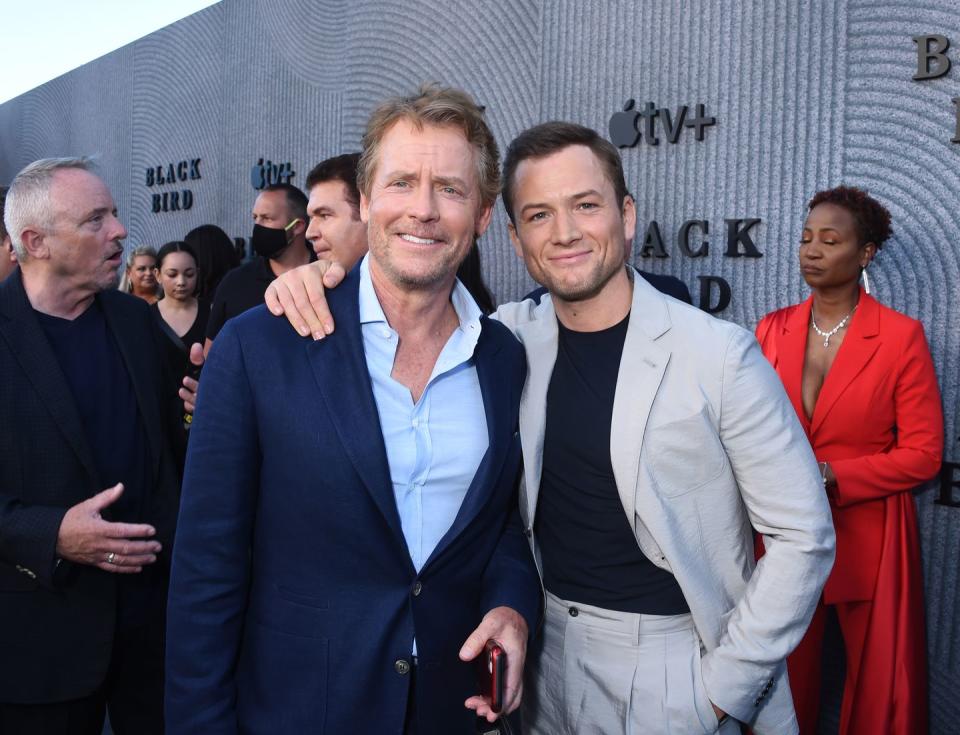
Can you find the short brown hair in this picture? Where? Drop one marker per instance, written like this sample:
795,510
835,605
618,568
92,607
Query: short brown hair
439,106
342,168
548,138
871,219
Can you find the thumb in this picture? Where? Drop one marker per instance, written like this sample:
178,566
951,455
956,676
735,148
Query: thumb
196,354
335,273
107,497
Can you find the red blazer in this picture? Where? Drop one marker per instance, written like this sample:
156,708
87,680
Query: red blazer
878,421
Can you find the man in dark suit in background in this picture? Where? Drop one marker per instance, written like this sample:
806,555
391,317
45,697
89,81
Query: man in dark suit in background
88,470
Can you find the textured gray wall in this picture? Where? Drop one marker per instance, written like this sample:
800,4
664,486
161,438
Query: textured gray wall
807,94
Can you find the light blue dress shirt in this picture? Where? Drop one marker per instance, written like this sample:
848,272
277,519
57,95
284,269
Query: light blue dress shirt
435,445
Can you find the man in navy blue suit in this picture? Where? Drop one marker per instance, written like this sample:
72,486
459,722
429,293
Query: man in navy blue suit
349,536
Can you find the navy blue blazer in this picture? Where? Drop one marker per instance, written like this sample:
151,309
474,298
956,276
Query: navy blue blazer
293,598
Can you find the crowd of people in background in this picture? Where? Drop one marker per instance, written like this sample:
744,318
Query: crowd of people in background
350,527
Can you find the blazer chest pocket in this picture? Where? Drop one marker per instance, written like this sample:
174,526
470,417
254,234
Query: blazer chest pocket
683,455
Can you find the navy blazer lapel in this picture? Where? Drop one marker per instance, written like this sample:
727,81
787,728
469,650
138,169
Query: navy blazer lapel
340,369
127,327
496,407
28,343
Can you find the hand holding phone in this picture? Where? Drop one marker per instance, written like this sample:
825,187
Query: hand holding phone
492,672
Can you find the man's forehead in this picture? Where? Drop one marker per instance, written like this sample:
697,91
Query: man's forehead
573,166
404,138
76,190
327,194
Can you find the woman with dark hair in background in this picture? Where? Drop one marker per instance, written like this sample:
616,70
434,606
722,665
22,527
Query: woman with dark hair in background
139,277
215,256
861,380
182,316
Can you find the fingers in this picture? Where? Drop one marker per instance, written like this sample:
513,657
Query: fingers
105,498
128,531
310,303
286,306
196,354
481,706
513,699
117,568
188,394
126,548
271,300
476,641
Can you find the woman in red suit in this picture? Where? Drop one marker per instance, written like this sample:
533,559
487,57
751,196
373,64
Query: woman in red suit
862,382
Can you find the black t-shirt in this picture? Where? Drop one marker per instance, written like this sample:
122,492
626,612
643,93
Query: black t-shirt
103,392
588,547
241,289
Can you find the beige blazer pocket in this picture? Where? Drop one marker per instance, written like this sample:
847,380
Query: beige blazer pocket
683,455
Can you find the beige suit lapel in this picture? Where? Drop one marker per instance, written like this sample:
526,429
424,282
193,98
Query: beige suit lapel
539,339
641,371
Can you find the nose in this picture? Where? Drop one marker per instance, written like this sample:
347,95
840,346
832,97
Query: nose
423,205
313,230
565,229
120,232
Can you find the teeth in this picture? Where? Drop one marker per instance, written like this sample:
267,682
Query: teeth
417,240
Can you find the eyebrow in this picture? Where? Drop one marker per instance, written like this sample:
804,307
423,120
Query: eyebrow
410,175
99,210
579,195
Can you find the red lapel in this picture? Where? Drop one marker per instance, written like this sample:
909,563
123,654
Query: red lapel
859,346
793,345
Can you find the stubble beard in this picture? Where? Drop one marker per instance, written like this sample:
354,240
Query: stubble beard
440,270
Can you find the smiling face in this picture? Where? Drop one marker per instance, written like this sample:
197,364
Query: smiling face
141,274
83,246
178,276
830,252
423,209
570,230
335,232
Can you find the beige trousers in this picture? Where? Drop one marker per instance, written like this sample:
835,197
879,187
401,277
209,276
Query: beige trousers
603,672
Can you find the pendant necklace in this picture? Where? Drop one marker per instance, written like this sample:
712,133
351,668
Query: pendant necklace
827,335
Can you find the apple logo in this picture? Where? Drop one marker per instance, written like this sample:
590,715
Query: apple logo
623,126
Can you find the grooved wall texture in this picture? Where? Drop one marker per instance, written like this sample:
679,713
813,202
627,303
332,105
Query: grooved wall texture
807,94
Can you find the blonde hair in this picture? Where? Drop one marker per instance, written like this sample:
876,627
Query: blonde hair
125,283
442,107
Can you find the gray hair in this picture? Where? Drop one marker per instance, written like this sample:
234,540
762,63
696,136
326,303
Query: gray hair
28,199
125,283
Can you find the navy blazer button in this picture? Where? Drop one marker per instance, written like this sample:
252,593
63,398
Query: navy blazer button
401,666
417,588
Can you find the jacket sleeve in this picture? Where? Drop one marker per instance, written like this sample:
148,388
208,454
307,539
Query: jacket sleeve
28,537
211,559
783,494
510,578
918,449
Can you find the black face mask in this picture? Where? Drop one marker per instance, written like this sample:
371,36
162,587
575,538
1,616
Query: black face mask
269,241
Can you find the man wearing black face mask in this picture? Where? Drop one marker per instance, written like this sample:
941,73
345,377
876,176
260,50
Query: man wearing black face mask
279,241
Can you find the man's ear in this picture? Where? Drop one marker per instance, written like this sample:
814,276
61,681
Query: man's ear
483,221
629,213
33,242
515,239
364,208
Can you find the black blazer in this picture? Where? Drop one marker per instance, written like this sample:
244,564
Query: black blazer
670,285
57,621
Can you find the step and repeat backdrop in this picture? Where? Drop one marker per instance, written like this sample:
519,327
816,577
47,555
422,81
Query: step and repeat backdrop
729,117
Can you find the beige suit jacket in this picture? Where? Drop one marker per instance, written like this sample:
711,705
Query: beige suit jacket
705,448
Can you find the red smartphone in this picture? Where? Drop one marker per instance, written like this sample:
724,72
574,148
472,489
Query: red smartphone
492,671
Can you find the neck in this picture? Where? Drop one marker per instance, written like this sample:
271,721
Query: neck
414,311
606,308
48,296
293,256
178,304
832,304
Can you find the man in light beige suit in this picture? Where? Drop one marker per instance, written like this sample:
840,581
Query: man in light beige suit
656,438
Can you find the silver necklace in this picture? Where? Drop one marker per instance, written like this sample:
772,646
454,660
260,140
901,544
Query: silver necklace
827,335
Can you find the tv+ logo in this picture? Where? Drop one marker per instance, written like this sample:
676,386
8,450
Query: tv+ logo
629,125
